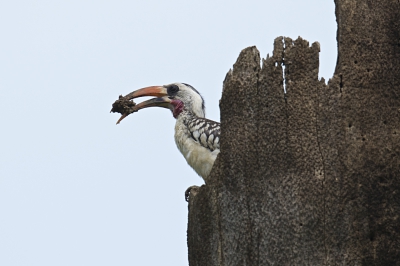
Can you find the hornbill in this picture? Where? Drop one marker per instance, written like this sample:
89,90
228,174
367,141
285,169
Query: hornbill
196,137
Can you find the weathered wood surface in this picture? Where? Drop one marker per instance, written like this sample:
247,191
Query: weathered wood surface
310,177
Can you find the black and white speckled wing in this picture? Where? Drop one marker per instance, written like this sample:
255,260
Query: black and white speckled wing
206,132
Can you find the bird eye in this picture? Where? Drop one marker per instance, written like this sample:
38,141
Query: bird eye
172,90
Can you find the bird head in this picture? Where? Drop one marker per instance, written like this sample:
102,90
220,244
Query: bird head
175,96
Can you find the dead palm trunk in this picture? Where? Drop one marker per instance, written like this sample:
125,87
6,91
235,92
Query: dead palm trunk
310,177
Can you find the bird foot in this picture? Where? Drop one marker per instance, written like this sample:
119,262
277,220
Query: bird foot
188,192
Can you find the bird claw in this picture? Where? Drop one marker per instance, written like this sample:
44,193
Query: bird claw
188,190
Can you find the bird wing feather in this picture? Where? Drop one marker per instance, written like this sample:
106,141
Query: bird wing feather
206,132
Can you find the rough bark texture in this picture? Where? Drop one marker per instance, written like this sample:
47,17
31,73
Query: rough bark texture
310,177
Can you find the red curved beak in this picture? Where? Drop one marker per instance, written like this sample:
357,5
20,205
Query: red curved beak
164,102
158,91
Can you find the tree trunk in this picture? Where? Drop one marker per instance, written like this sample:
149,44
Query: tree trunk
310,177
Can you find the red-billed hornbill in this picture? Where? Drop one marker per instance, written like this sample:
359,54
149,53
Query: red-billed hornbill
197,138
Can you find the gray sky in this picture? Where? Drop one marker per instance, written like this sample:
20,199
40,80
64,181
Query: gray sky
75,189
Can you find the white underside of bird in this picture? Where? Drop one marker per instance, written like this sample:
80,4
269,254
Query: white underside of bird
200,158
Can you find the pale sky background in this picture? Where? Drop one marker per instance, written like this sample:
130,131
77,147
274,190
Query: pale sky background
75,189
